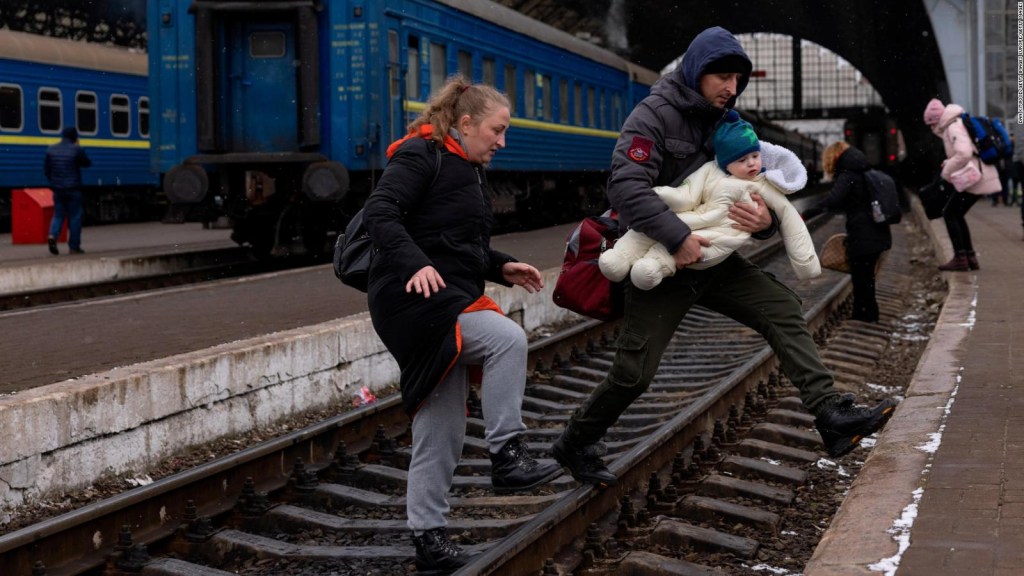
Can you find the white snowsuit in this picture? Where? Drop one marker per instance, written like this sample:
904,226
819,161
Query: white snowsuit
702,201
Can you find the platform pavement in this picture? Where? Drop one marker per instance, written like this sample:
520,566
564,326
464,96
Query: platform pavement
114,239
942,492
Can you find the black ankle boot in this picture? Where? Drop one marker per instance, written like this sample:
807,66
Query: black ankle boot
437,555
842,425
584,462
513,468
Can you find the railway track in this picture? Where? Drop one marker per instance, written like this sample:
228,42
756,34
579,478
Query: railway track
708,461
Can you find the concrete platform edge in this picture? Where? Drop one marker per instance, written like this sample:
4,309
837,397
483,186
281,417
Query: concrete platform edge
862,537
125,420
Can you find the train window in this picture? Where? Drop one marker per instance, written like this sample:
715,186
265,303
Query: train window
490,72
438,66
86,113
120,115
545,98
602,116
577,104
393,64
10,107
144,117
412,76
617,111
51,118
510,88
530,93
267,44
563,101
466,64
590,107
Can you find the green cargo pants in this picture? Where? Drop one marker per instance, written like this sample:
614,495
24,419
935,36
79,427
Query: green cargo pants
735,288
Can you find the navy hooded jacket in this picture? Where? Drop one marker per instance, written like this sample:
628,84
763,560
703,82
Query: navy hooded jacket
667,137
64,163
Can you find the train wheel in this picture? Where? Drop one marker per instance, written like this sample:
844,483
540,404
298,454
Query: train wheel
186,184
325,182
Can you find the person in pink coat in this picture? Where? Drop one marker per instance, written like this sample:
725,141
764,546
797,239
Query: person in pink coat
971,177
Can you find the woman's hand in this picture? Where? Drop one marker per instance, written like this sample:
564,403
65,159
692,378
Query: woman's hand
425,281
751,216
524,275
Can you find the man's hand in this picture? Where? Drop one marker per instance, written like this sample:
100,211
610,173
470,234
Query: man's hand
751,217
689,252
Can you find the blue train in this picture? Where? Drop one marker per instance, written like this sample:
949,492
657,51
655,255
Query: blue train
49,83
278,114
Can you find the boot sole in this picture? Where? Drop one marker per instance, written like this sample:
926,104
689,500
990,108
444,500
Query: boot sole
585,478
846,444
511,489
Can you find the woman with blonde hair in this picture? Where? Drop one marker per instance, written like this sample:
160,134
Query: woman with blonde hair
430,220
866,239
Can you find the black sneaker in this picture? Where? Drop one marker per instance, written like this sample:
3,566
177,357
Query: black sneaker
51,243
437,555
842,425
584,462
76,251
514,468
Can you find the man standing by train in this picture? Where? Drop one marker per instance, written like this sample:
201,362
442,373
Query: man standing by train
667,136
63,168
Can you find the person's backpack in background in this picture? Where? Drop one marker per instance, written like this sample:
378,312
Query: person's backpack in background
885,199
990,137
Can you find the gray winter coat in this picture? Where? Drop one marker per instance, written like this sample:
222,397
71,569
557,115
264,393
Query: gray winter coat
667,137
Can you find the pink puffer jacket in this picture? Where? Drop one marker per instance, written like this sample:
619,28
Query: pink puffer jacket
960,150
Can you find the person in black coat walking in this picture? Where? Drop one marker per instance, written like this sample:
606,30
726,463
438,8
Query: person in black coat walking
866,239
63,168
431,224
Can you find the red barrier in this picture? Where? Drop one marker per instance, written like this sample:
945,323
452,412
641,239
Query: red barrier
31,212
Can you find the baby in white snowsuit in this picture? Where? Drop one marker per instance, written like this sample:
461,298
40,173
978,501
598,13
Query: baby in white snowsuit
702,201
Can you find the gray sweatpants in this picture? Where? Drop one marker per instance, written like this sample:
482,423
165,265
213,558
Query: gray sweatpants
439,426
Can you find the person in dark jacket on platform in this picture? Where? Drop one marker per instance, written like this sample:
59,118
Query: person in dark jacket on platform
667,137
63,168
866,239
432,226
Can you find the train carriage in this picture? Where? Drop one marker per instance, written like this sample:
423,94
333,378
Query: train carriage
279,113
49,83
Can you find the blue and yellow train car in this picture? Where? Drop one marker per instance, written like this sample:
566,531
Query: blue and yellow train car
279,113
47,84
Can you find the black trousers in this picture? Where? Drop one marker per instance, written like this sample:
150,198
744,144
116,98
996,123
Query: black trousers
862,275
956,224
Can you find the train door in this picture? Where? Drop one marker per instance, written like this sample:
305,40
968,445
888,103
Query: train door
261,86
396,85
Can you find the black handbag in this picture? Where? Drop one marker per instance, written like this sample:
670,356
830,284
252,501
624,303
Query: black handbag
353,254
354,250
935,197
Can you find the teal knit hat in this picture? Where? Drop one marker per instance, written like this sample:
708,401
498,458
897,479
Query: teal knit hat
734,138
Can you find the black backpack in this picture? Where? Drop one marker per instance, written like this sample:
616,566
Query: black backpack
885,200
354,250
990,138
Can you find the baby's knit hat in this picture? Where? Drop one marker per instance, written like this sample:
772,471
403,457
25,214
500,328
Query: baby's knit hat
933,112
734,138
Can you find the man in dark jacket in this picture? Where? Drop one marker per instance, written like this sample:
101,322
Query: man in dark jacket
63,167
666,137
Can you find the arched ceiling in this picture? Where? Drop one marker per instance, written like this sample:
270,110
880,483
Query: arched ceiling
890,41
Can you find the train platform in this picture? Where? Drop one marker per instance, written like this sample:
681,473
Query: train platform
111,251
942,492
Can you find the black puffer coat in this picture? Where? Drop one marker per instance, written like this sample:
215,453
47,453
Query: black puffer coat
414,224
850,195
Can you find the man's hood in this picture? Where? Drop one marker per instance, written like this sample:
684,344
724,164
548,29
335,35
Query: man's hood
710,45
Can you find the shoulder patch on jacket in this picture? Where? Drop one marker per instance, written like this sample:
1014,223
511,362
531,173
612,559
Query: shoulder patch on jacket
640,149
